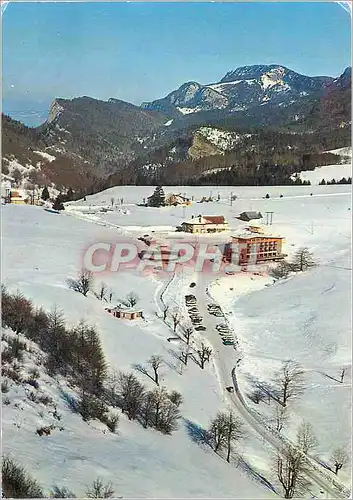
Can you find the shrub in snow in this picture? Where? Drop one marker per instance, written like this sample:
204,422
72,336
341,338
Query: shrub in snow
282,270
91,407
34,373
45,430
176,398
61,492
99,490
32,382
5,387
6,401
17,483
111,421
12,372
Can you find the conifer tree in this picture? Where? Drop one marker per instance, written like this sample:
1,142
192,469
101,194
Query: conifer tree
45,194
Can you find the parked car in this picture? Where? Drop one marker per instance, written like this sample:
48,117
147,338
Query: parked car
200,328
190,297
228,342
193,309
222,325
196,320
218,314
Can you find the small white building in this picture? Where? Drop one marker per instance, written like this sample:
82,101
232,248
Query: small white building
124,312
205,224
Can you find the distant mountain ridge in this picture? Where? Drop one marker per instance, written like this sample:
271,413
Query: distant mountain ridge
266,113
240,90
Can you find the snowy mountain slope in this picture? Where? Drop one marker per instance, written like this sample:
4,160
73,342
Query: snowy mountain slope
140,463
37,259
242,89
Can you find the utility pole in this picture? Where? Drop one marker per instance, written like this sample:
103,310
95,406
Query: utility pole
312,227
231,199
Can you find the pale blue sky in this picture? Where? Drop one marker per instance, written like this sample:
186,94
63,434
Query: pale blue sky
141,51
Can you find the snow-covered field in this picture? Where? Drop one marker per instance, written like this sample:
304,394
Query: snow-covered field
305,318
327,172
41,250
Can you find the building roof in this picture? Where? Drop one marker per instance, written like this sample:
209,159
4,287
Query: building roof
125,309
250,215
206,219
248,236
215,219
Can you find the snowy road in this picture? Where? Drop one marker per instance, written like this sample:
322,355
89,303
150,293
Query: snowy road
226,358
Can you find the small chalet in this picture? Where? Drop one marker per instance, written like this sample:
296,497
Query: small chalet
176,199
248,216
123,312
205,224
17,198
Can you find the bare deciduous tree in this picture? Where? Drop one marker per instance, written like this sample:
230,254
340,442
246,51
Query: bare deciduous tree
290,467
225,430
217,431
164,414
112,201
132,393
156,362
176,317
110,295
280,418
101,294
187,332
84,282
99,490
306,438
234,432
343,372
302,260
204,354
176,398
289,381
132,299
339,458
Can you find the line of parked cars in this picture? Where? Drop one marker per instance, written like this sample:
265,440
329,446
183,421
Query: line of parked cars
215,310
195,316
225,334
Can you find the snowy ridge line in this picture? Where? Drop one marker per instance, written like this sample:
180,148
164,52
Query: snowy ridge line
339,489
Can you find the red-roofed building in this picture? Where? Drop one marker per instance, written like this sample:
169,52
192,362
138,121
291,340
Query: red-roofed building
205,224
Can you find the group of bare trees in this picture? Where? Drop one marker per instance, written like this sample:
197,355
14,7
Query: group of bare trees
302,261
155,408
84,283
225,431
